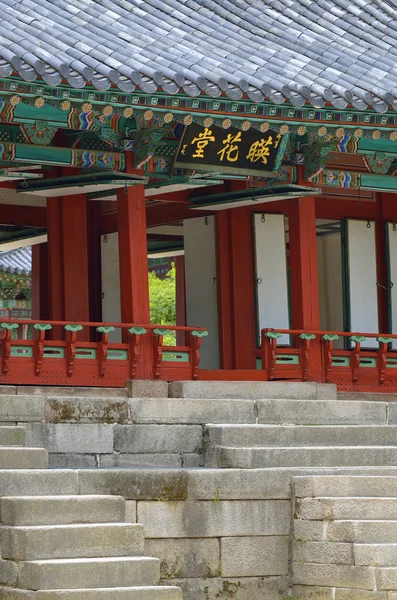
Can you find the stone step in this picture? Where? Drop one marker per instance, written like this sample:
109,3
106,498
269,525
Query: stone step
354,485
253,390
61,510
315,509
302,456
298,435
322,412
72,541
116,593
38,482
81,573
12,436
23,458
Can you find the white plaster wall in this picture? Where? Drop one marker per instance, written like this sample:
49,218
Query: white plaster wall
201,285
329,251
271,273
362,278
111,282
392,258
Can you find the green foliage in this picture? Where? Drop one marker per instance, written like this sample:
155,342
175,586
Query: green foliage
162,293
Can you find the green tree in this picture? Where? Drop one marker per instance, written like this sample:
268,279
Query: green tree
162,294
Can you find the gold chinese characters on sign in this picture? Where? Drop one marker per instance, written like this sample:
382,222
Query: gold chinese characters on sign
214,149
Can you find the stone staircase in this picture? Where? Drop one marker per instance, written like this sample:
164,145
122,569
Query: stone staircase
345,538
307,433
56,543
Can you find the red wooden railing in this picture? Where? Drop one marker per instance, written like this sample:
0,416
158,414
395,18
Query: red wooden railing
313,357
29,357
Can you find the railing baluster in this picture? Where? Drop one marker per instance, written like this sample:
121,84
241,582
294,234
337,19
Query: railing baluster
158,338
329,339
39,345
103,348
355,358
382,358
196,338
306,338
9,327
134,351
71,347
269,355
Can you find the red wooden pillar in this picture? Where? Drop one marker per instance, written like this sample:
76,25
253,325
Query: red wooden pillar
55,264
134,283
303,264
68,261
180,298
40,282
242,287
75,258
304,275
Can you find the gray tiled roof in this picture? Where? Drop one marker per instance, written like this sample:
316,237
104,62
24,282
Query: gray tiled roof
341,51
16,261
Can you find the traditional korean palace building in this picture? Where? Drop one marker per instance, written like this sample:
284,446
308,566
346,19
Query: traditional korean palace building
255,141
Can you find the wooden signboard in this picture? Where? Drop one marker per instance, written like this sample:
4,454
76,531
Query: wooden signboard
213,149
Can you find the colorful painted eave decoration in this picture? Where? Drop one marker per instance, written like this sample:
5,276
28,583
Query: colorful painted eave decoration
85,109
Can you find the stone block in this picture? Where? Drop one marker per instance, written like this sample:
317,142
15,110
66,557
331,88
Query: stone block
81,573
214,518
21,409
38,482
86,410
245,588
90,392
118,593
309,531
61,510
345,486
363,532
303,592
137,388
139,484
12,436
304,456
347,508
183,557
8,390
254,556
139,460
375,554
345,594
157,438
252,390
130,511
321,412
23,458
192,411
72,461
361,578
386,578
238,484
191,460
72,541
323,553
300,435
8,572
392,413
73,438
